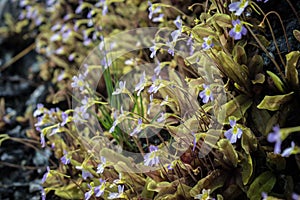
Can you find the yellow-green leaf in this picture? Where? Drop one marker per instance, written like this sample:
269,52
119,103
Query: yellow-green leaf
247,168
263,183
259,79
228,151
249,141
291,72
222,20
275,161
255,65
157,187
260,119
199,32
71,191
239,54
277,81
236,72
273,103
236,107
297,34
213,181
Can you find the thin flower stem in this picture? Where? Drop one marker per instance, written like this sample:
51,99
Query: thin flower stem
267,53
272,33
170,6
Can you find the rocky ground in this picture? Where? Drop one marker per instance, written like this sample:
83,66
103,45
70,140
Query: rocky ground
22,161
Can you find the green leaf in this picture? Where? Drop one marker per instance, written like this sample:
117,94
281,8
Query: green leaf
157,187
147,194
236,107
60,62
255,65
236,72
213,181
273,103
249,141
277,81
275,161
259,79
71,191
183,191
263,183
247,168
291,73
228,151
222,20
239,54
296,34
260,118
199,32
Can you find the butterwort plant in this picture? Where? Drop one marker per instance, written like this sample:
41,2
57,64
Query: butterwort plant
223,55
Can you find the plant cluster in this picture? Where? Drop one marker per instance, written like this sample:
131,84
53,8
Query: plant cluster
225,117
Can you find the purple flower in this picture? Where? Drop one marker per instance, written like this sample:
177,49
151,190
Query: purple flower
112,128
238,7
115,195
141,85
287,152
78,82
153,50
162,118
265,1
64,117
295,196
153,10
159,18
43,142
171,49
275,137
178,23
43,193
86,101
156,85
60,51
55,27
89,193
65,160
157,69
23,3
105,62
50,2
79,9
208,43
234,133
194,141
80,114
205,195
101,166
137,129
264,196
46,175
238,30
103,4
40,110
87,42
99,190
85,174
55,37
206,94
151,159
122,87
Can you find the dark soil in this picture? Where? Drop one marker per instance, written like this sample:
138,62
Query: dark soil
21,165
